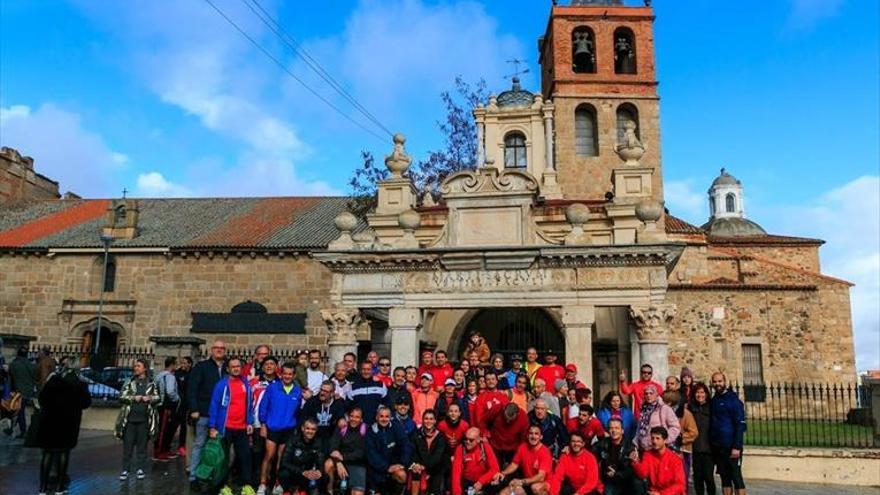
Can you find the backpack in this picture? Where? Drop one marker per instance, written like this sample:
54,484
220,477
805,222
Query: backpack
214,464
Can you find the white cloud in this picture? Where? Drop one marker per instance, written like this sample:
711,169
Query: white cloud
848,218
62,148
154,184
685,201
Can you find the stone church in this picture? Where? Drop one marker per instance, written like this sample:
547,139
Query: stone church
558,239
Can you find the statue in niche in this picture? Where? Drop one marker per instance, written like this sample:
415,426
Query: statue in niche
583,57
624,56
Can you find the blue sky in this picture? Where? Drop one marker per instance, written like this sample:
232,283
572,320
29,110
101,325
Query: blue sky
166,99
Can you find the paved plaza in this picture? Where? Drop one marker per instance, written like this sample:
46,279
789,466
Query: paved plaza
95,465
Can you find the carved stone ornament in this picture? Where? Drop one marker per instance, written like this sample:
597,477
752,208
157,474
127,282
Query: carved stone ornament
342,325
577,215
652,321
398,161
345,223
631,149
488,180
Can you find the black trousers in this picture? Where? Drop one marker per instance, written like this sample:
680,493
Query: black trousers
704,473
730,470
134,441
240,442
167,428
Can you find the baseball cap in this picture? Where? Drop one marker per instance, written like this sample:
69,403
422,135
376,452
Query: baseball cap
427,376
571,367
516,357
449,381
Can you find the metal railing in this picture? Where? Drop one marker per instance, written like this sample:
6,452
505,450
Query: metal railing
807,415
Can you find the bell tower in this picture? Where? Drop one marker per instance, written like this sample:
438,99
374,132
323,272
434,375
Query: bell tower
597,67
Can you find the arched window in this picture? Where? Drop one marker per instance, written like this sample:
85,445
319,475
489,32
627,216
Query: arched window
119,215
109,282
515,150
627,112
624,51
585,135
583,51
730,203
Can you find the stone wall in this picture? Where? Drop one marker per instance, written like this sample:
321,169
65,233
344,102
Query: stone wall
801,256
53,298
805,335
19,181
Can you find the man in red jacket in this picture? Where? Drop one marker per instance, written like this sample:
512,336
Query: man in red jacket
660,466
550,371
587,424
441,370
535,465
507,431
577,472
474,466
637,389
489,404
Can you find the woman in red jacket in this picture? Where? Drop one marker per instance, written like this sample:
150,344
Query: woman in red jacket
577,472
660,466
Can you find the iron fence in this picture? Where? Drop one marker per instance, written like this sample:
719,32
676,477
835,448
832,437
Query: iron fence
808,415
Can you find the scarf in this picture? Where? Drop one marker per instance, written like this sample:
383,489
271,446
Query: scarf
648,409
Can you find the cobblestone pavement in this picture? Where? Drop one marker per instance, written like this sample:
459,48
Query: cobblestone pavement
95,465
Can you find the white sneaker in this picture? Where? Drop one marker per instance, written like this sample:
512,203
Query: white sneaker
140,474
277,490
261,490
123,476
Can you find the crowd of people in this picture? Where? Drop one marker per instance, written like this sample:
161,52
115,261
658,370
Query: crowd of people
482,426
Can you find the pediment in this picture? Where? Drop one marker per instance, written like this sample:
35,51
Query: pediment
489,181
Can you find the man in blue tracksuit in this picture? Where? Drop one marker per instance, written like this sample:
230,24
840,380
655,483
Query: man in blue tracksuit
727,426
389,452
279,406
367,393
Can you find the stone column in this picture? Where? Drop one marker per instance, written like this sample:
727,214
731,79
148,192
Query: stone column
652,328
342,326
404,324
481,147
548,139
578,323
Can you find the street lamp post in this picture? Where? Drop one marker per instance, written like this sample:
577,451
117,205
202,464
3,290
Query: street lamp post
106,240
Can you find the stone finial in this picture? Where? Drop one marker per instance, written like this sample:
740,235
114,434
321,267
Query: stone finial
649,211
631,149
398,161
577,214
409,221
345,223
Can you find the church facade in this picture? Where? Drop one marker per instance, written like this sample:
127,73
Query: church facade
558,239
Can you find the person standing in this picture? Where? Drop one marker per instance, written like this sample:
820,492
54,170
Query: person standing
637,389
489,404
553,431
45,366
660,466
704,475
169,404
534,463
442,370
367,393
532,365
550,371
726,430
453,426
259,383
539,392
340,380
689,431
655,413
384,374
137,420
516,369
424,398
202,380
254,368
613,407
62,400
182,375
399,387
577,472
571,378
279,406
448,397
314,374
23,374
231,417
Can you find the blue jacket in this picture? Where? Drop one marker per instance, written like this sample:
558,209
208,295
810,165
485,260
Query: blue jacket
278,410
405,422
626,415
727,423
368,395
386,446
220,405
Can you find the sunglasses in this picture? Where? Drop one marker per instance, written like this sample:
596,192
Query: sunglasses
384,364
471,440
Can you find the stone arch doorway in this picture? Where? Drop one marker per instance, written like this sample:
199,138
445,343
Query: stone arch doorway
112,336
510,331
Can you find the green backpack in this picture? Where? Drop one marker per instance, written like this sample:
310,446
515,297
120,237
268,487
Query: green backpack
214,463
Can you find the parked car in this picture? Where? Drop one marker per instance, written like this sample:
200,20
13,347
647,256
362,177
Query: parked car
113,376
100,390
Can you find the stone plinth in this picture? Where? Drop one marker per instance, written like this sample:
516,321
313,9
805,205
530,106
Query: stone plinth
178,347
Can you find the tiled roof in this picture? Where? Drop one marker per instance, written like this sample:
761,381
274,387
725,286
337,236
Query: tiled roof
675,225
271,223
762,240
